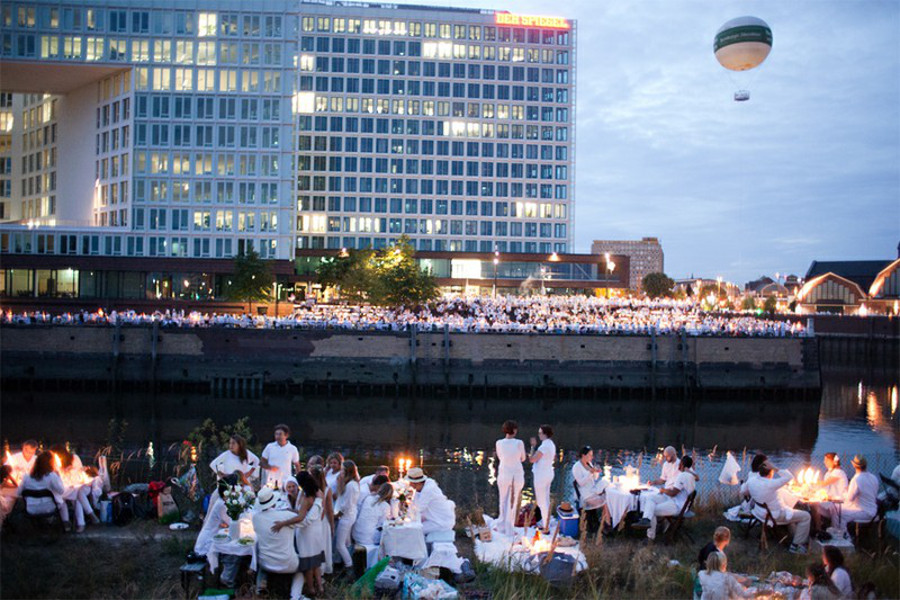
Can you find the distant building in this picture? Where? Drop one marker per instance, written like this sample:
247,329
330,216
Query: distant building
845,287
646,256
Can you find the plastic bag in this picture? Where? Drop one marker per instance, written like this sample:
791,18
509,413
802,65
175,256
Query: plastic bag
729,474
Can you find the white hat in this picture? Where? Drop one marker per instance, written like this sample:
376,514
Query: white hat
265,499
415,475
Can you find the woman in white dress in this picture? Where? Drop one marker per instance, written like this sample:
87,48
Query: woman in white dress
510,475
374,511
333,470
310,538
542,468
345,510
236,460
78,487
327,523
44,477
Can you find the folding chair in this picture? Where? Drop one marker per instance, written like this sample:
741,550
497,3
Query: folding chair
45,519
876,522
769,523
675,523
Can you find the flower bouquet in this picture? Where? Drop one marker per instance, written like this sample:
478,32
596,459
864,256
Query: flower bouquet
238,500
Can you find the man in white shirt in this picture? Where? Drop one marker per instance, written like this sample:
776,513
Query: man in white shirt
277,458
861,503
275,550
670,500
366,482
669,468
22,462
591,487
764,490
436,511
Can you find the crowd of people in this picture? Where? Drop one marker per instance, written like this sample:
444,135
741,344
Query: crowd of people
507,314
307,517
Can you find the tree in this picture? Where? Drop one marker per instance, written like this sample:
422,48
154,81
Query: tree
749,303
351,273
398,279
252,281
770,305
656,285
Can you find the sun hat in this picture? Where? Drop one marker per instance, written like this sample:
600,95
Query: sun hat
860,461
415,475
266,498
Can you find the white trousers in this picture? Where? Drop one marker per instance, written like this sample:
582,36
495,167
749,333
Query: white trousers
509,486
209,529
658,506
342,532
799,524
850,515
542,483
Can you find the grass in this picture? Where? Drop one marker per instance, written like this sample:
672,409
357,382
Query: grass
130,563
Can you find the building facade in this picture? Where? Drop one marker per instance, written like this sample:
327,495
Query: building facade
196,129
646,256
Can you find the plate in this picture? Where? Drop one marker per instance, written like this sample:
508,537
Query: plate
178,526
221,536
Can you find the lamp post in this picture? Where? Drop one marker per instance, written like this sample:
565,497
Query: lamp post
496,262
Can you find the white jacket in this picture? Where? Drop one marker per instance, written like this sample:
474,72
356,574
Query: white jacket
765,491
721,586
275,551
432,505
371,516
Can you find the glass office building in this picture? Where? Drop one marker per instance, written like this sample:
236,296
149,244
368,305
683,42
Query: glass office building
199,128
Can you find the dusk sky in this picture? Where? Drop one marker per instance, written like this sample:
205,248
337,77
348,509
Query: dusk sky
808,169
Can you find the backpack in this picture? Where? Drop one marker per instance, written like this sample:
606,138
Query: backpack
122,508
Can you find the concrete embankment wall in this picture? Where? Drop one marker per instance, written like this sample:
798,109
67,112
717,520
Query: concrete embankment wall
231,360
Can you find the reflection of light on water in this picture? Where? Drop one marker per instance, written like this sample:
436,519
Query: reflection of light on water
479,458
873,411
893,400
859,392
492,471
151,456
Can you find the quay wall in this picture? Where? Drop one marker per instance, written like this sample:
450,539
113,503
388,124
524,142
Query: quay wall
227,359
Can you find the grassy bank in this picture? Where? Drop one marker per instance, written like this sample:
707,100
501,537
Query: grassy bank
142,560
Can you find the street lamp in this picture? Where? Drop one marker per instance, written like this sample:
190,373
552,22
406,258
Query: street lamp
496,262
719,285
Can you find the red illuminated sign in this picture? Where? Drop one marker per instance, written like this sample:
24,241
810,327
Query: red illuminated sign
526,21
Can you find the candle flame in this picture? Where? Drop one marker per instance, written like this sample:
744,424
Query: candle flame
57,463
8,456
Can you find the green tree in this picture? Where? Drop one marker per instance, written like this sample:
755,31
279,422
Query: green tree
398,279
351,273
656,285
770,305
252,280
748,303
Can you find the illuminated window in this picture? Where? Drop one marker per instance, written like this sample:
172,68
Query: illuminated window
208,23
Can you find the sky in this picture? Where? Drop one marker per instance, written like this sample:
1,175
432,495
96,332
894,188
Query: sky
807,169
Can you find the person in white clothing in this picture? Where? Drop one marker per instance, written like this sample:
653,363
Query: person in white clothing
541,459
510,476
278,457
833,559
44,477
366,482
436,511
591,486
275,545
217,517
333,470
764,491
717,583
375,510
23,461
669,468
238,461
861,502
310,538
670,500
345,510
78,485
835,484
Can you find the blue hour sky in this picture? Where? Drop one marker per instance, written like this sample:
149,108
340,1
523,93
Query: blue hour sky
808,169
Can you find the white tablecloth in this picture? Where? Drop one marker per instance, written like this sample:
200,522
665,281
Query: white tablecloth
620,501
501,553
404,541
230,547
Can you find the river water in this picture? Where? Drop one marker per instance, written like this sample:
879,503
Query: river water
454,437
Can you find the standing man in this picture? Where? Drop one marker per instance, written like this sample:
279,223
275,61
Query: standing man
278,456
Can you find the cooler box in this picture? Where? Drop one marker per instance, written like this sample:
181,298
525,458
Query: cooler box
568,522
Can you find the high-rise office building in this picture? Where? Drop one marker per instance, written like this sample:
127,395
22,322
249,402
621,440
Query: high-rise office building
200,128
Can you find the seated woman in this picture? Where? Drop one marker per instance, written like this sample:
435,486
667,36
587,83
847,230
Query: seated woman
818,585
77,483
375,510
216,518
9,491
44,477
833,560
717,584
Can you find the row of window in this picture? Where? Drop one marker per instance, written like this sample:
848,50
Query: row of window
399,166
207,80
161,219
425,206
223,192
323,224
431,70
205,107
441,50
428,244
441,89
428,187
201,136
